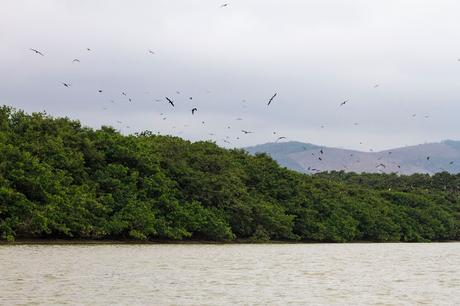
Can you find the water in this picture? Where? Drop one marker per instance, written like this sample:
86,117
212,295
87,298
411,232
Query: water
296,274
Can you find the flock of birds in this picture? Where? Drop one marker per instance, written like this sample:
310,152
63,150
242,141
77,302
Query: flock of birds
320,154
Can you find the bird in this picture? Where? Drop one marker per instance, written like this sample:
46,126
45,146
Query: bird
123,93
376,85
76,60
170,101
427,158
246,132
194,110
320,158
88,49
271,99
380,165
343,103
451,163
100,90
279,138
37,52
321,151
239,119
130,100
224,5
66,84
190,98
151,52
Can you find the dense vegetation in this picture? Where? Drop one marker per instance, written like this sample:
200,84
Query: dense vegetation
61,180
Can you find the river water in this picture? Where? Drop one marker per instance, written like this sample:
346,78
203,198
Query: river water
263,274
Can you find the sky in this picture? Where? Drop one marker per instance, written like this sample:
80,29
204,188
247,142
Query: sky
396,62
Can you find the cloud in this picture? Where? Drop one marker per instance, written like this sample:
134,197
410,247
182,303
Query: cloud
315,54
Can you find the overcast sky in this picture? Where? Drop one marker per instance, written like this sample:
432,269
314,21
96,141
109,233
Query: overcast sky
231,60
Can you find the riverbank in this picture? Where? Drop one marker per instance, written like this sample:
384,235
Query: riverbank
191,242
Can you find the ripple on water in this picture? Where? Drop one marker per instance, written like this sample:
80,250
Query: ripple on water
298,274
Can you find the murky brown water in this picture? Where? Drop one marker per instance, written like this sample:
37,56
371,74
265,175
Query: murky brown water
297,274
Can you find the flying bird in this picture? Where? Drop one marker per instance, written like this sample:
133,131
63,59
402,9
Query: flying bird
343,103
66,84
224,5
88,49
194,110
279,138
271,99
76,60
170,101
37,52
246,132
451,163
100,90
151,52
321,151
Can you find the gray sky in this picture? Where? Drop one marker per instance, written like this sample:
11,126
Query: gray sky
314,54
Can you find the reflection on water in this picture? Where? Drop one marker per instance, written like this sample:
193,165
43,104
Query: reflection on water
316,274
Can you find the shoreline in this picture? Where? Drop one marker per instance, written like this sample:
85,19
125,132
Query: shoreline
188,242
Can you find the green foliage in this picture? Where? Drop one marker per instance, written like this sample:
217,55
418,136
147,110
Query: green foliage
61,180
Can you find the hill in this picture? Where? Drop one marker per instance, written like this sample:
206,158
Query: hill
425,158
59,179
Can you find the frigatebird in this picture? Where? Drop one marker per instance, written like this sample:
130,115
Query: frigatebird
37,52
170,101
271,99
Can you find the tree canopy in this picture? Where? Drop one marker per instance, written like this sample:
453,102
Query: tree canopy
59,179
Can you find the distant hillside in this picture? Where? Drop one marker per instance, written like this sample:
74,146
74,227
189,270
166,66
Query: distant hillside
425,158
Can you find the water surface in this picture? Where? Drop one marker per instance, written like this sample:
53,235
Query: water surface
270,274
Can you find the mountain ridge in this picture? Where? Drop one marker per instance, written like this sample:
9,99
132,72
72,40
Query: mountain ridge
427,158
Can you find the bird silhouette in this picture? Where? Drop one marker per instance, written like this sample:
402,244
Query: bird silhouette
76,60
224,5
37,52
194,110
271,99
246,132
343,103
66,84
170,101
279,138
151,52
